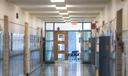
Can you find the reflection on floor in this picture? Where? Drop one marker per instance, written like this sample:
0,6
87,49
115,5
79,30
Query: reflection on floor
65,69
16,64
0,67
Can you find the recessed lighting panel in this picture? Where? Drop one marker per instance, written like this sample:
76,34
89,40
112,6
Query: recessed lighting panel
66,17
61,8
63,13
66,20
57,0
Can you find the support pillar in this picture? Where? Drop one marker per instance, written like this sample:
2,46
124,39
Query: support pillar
41,46
26,51
6,48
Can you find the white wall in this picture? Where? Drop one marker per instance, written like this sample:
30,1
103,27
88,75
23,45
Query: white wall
10,10
109,13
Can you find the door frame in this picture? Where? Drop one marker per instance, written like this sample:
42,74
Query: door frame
119,43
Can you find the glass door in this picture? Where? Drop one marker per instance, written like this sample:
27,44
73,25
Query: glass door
49,46
86,46
61,45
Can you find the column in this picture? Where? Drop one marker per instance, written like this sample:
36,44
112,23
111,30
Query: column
26,51
41,46
6,48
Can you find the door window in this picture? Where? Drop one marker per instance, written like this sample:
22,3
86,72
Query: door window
61,37
61,47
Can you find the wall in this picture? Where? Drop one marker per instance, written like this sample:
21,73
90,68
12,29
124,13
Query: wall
10,10
109,14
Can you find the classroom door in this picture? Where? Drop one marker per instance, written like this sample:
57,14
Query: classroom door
61,45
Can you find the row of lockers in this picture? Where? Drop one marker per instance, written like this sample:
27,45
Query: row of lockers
16,42
106,56
16,64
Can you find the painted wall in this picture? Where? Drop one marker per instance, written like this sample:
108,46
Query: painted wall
10,10
109,13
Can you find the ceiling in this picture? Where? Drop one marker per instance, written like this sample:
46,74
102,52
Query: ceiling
78,10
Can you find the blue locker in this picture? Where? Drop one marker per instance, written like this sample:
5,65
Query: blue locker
104,56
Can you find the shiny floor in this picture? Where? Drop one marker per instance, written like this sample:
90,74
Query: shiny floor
65,68
0,67
16,64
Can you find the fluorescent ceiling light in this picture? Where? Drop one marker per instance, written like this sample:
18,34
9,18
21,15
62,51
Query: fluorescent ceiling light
63,13
67,21
61,8
57,0
66,17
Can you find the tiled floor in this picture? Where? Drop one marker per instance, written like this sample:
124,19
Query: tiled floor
16,64
65,69
0,67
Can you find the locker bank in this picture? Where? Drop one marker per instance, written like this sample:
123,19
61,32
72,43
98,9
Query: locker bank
63,38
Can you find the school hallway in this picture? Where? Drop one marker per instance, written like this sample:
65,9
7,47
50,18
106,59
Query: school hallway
64,38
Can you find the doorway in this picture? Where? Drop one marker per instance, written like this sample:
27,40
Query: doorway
119,43
67,45
65,41
72,45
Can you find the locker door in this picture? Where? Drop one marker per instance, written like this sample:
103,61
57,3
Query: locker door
104,55
93,49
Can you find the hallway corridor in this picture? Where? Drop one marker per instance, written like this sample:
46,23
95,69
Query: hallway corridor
65,68
64,38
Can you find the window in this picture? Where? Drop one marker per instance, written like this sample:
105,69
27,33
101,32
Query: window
61,37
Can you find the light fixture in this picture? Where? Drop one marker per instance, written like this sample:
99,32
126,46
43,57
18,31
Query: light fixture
63,13
57,0
61,8
67,21
66,18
